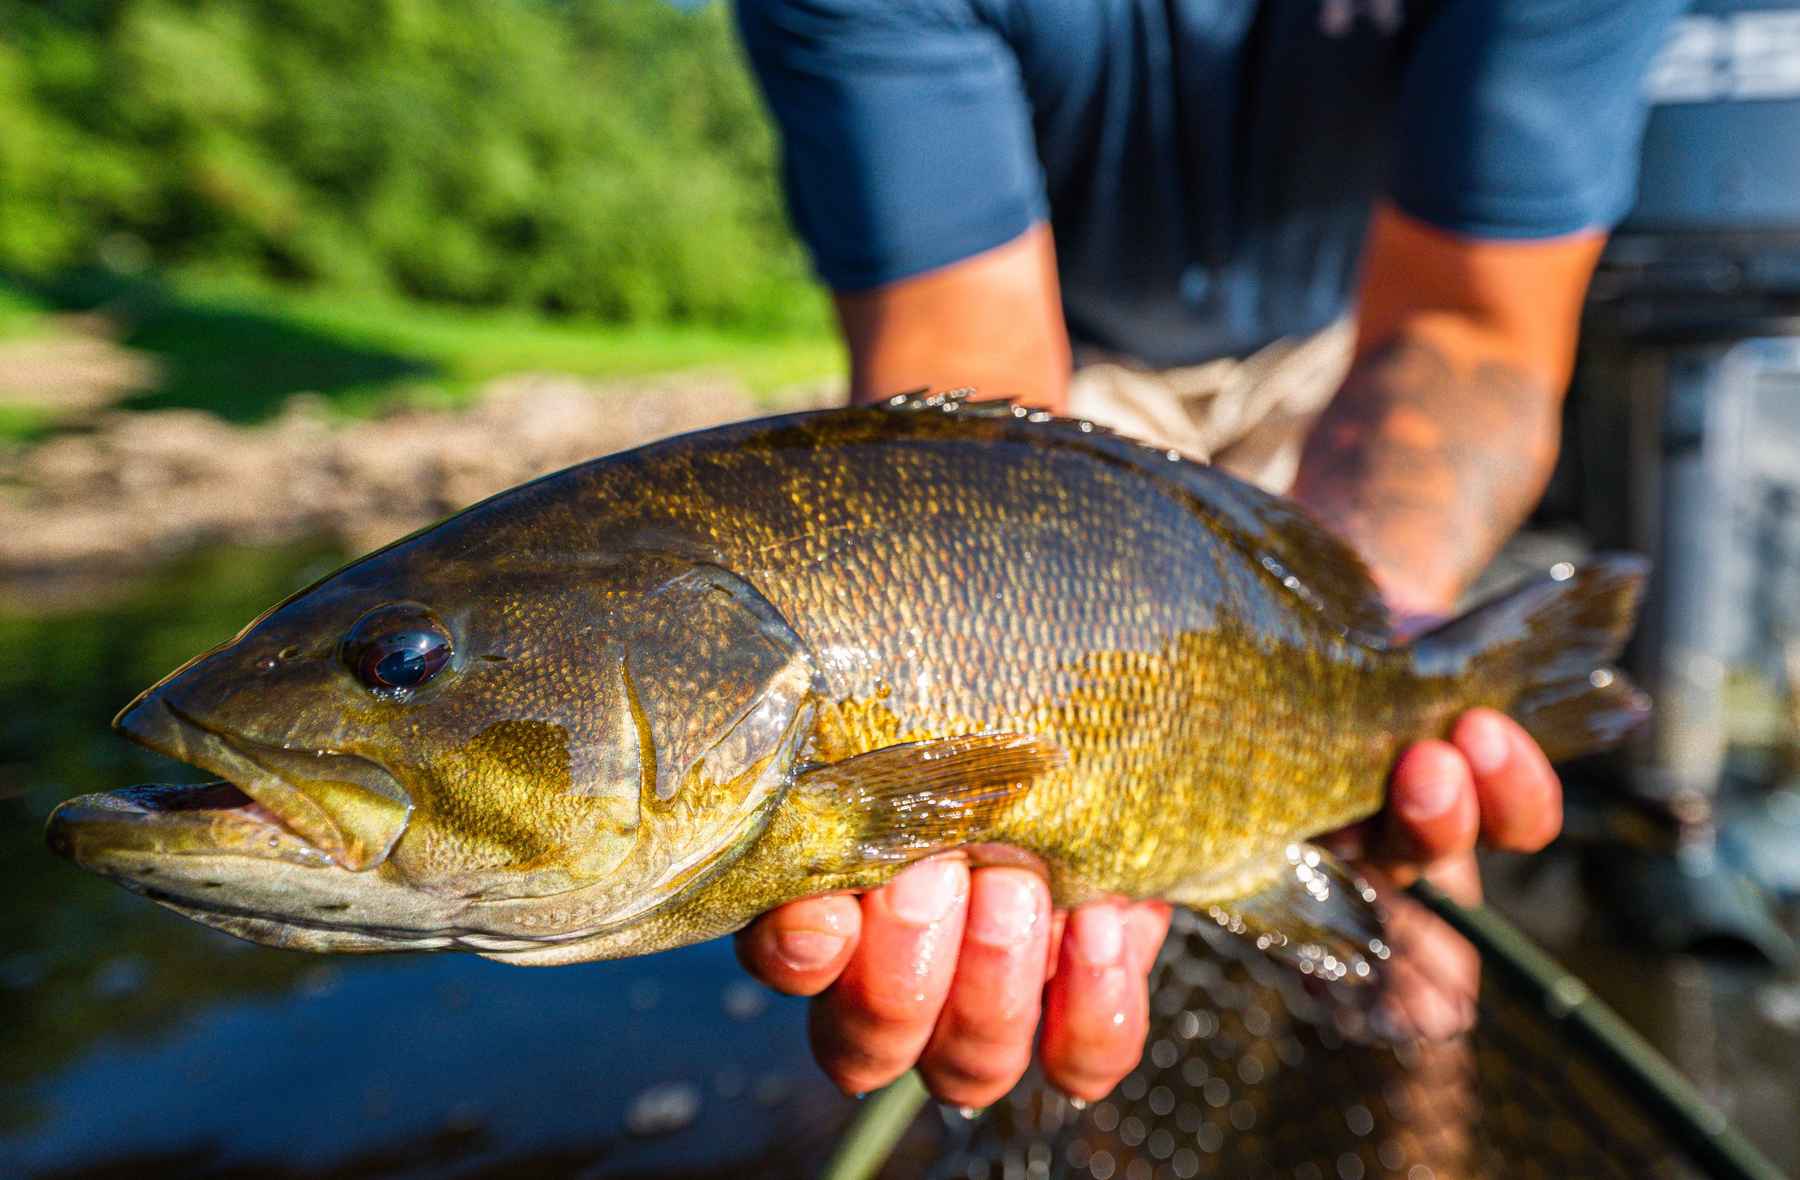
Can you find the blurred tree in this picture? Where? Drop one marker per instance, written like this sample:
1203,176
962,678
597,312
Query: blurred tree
607,158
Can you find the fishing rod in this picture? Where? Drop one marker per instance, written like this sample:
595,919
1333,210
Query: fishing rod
1692,1122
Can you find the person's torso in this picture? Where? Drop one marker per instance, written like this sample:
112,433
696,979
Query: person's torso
1210,165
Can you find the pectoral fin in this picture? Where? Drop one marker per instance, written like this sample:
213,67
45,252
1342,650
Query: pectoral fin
903,802
1310,912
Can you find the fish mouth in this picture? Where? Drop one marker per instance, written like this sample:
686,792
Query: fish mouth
345,807
169,820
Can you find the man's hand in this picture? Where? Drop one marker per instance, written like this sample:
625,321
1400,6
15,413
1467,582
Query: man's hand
946,967
952,969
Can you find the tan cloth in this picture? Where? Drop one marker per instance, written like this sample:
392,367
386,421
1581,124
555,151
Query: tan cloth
1249,415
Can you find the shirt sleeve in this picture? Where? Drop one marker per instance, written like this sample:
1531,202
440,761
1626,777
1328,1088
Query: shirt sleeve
1522,118
906,134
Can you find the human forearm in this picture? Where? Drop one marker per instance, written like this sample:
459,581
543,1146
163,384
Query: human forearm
1429,458
1444,435
993,321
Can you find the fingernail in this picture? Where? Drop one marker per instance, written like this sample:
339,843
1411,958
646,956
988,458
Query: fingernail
1099,935
1007,911
808,950
1484,745
927,892
1428,798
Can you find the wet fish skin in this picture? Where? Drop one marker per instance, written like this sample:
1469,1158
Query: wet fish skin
696,680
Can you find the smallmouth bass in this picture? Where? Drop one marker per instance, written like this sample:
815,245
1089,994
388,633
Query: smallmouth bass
634,704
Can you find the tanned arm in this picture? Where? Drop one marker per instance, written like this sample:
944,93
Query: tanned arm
1444,435
993,321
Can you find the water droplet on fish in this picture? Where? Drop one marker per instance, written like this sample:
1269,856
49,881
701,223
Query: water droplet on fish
663,1109
1562,571
1600,678
1779,1004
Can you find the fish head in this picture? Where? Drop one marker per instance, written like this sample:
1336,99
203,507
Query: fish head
429,749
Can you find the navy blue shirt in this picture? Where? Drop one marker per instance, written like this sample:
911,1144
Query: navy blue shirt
1207,166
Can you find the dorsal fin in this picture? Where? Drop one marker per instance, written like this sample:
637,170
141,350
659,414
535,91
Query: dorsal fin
1301,556
963,401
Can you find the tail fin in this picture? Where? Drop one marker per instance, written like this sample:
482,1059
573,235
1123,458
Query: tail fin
1543,652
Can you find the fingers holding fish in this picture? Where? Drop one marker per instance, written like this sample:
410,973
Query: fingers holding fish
1434,975
982,1043
1519,793
802,947
874,1023
1096,1009
1433,811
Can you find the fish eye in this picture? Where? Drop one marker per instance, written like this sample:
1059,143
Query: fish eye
396,648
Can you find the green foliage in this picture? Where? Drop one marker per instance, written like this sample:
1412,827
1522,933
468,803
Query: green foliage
604,158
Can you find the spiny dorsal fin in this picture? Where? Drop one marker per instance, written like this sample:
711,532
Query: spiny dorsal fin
908,801
1307,560
963,401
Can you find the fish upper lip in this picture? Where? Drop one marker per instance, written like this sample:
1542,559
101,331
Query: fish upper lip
261,770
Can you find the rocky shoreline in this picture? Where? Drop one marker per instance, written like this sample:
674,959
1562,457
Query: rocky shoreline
82,510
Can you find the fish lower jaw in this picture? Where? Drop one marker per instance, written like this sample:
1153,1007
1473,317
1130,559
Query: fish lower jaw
326,937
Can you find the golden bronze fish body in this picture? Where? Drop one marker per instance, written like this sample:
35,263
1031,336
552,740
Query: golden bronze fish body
684,684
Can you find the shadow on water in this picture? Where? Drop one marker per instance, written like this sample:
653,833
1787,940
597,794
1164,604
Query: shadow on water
136,1043
238,362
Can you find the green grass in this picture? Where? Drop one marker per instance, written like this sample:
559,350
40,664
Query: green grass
468,347
240,350
20,313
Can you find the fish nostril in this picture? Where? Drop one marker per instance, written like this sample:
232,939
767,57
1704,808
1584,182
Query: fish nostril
270,663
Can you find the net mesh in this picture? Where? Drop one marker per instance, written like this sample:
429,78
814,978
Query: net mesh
1247,1074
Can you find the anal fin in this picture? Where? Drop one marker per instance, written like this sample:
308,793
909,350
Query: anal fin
1312,913
908,801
